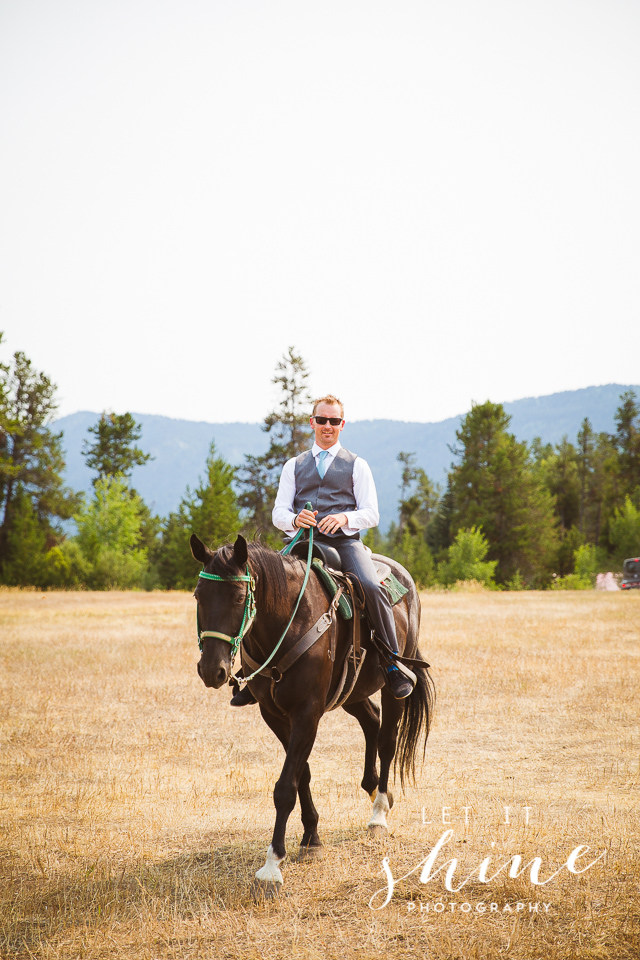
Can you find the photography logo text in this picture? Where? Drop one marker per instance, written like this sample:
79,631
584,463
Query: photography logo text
490,869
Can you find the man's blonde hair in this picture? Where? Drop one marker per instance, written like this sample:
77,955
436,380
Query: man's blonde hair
328,399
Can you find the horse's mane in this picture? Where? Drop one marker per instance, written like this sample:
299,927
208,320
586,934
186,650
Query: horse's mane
269,566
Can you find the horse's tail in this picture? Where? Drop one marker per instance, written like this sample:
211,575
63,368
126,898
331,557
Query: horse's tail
415,723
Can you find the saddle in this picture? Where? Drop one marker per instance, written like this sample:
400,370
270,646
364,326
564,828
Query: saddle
330,557
327,565
347,598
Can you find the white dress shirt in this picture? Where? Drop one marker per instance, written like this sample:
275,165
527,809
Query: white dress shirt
364,491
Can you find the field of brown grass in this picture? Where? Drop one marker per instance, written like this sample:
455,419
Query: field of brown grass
136,805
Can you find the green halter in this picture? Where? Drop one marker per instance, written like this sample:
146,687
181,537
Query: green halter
250,605
248,616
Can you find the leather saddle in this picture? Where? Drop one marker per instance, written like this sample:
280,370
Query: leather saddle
331,558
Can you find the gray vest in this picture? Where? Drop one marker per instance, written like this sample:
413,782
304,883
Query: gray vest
331,494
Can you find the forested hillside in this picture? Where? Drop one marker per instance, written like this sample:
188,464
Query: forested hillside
535,494
179,447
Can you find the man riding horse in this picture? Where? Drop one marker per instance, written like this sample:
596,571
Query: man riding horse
340,485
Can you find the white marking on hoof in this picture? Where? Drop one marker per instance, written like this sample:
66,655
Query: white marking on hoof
270,873
380,810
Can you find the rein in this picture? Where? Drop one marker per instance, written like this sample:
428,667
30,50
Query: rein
250,610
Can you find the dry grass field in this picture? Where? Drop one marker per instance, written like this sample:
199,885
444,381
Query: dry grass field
136,805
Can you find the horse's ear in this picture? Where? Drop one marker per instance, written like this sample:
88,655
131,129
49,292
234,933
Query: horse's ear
240,551
198,549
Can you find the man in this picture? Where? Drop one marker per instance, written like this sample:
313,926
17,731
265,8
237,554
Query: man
341,487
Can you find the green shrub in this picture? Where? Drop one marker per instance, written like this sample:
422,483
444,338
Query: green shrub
624,531
466,560
572,582
586,563
516,582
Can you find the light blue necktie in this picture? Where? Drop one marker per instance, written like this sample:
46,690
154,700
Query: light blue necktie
322,466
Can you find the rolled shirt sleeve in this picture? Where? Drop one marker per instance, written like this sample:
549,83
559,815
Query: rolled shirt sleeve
283,515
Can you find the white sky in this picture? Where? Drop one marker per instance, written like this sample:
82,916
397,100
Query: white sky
434,201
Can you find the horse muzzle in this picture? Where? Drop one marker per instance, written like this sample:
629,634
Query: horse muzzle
213,674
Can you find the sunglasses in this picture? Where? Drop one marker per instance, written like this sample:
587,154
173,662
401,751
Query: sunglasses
334,421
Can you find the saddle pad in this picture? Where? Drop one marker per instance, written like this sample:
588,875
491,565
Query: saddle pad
391,584
344,605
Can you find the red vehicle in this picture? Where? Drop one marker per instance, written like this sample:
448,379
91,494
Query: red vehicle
631,574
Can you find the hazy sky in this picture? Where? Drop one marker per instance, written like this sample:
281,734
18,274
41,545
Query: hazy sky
436,202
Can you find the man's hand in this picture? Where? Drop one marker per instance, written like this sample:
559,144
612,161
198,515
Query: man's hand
332,523
306,518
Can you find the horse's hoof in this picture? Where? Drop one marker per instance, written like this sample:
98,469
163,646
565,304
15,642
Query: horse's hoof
377,831
311,853
265,890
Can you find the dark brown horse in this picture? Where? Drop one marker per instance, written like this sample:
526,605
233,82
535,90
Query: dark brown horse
293,706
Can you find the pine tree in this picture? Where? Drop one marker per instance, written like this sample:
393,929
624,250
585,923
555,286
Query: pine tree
290,420
32,490
406,541
627,442
114,452
586,444
289,428
212,512
496,488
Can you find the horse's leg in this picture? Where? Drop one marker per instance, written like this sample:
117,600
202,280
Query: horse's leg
391,713
310,844
367,714
304,727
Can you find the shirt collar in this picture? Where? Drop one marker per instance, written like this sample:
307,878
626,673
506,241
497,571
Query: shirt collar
332,451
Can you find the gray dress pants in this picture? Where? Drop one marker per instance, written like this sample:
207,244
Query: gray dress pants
356,560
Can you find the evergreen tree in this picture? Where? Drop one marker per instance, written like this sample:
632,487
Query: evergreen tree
599,488
494,486
562,476
32,493
625,531
439,531
627,443
258,483
108,537
407,541
586,445
288,426
211,512
113,452
559,469
414,554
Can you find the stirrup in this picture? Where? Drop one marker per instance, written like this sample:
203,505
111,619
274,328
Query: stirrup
400,686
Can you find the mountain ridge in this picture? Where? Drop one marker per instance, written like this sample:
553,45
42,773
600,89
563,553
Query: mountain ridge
180,447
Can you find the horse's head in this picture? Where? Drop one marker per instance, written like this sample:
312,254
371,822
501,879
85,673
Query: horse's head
225,598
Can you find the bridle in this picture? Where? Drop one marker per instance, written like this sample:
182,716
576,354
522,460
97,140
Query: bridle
250,606
248,615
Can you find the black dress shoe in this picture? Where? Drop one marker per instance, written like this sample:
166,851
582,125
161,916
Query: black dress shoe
400,686
242,698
